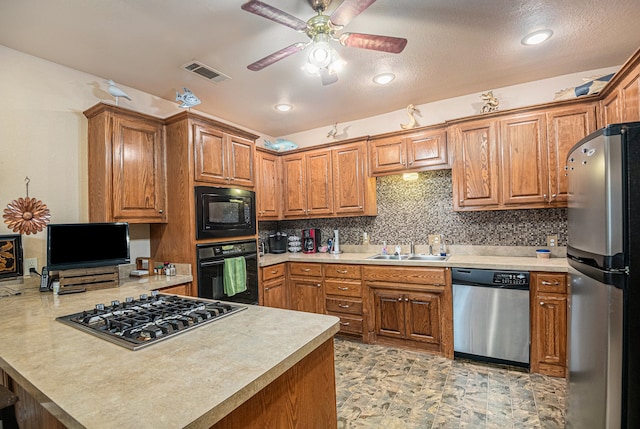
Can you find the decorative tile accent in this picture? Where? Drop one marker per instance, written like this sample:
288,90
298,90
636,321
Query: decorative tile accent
380,386
412,210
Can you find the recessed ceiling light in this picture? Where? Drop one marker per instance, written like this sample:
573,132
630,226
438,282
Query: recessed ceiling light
384,78
283,107
537,37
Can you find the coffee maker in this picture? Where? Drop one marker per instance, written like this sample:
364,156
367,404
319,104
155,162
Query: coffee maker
310,240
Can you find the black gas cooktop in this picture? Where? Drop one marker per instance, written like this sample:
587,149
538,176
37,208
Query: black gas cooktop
136,323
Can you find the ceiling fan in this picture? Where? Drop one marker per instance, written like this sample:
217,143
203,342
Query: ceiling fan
321,29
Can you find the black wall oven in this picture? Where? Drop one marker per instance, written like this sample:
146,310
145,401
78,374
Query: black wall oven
224,212
211,259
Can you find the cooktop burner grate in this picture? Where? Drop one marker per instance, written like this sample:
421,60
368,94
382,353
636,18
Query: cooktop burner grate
136,323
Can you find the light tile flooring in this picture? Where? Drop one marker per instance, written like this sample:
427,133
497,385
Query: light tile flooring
384,387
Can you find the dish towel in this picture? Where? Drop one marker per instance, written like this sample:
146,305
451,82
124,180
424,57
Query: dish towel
235,275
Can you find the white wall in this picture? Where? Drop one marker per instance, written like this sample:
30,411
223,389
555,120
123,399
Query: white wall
43,135
510,97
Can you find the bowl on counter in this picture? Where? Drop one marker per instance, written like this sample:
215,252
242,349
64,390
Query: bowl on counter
543,253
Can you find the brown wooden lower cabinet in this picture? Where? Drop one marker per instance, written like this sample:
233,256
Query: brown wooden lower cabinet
183,289
305,287
273,286
409,307
549,323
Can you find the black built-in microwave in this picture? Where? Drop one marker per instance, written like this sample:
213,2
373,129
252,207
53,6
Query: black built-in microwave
224,212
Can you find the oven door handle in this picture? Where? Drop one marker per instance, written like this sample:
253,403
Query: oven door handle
211,263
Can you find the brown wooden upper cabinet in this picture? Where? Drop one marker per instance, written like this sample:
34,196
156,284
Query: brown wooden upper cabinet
328,182
621,102
127,173
308,184
413,150
517,161
222,158
268,186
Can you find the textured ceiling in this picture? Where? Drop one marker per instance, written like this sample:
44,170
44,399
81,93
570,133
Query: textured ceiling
456,47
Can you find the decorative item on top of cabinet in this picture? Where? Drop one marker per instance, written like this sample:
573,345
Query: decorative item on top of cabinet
411,150
273,286
268,185
127,181
221,157
305,287
343,296
409,307
549,323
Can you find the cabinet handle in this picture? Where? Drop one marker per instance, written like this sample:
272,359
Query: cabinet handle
400,299
549,283
545,197
306,270
406,300
274,271
345,323
318,285
160,211
342,288
344,305
541,302
267,289
553,196
343,271
461,201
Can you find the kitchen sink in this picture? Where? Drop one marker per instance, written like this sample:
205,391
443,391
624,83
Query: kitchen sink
419,257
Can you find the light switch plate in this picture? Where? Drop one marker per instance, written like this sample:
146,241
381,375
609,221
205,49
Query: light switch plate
552,240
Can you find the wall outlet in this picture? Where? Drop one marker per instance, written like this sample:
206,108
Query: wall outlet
435,239
29,263
552,240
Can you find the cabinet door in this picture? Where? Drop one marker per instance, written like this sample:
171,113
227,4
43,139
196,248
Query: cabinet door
295,187
274,293
269,190
388,154
475,174
630,97
423,317
139,184
565,127
209,156
427,149
349,179
319,183
611,109
550,314
306,295
389,312
240,161
524,171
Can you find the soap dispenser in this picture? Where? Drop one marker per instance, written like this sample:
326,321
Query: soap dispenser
384,248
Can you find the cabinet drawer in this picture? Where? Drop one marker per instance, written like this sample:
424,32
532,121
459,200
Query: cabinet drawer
551,282
348,324
273,271
343,287
344,306
342,271
303,269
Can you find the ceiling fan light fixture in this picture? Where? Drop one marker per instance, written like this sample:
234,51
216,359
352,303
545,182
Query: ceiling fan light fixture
384,78
536,37
283,107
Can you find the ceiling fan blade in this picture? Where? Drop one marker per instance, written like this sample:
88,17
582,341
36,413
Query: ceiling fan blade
266,11
394,45
328,78
276,56
348,10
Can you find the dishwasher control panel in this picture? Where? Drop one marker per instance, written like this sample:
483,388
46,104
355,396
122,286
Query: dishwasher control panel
507,278
490,278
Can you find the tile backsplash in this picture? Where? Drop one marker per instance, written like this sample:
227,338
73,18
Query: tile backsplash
411,210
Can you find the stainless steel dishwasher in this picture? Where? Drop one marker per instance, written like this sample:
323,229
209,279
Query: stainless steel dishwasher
491,315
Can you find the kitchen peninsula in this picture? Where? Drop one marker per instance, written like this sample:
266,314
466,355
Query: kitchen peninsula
261,367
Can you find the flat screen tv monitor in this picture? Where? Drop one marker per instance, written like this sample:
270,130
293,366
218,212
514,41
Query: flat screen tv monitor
84,245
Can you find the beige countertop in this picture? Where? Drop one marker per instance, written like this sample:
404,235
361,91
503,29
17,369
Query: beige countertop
521,263
190,380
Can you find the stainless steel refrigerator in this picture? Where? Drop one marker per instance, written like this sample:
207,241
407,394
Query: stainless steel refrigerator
603,251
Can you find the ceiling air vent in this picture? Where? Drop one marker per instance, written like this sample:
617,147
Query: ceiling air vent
205,71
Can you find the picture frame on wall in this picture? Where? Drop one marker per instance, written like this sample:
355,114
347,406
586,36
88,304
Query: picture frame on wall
10,256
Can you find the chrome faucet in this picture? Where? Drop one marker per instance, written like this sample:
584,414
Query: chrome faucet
412,248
